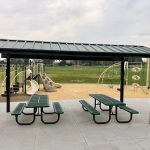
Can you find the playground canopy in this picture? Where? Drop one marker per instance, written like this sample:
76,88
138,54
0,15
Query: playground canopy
68,51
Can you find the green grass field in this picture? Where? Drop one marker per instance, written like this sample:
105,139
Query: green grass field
88,74
69,74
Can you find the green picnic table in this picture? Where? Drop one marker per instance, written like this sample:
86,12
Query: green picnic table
37,103
100,99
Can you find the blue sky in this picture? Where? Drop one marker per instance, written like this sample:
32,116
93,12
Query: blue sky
92,21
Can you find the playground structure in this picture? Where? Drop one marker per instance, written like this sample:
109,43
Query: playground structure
136,69
26,80
37,72
15,78
38,76
133,70
13,72
103,74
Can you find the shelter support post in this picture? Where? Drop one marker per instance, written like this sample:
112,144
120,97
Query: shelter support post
43,68
25,89
8,84
16,73
30,63
38,71
23,76
148,72
122,81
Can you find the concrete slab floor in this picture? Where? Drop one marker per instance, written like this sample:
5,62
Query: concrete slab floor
77,131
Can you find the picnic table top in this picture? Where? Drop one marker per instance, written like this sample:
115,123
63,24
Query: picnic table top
109,101
38,101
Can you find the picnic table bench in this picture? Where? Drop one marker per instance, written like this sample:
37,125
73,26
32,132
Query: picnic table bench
110,102
89,108
129,110
37,103
19,109
57,110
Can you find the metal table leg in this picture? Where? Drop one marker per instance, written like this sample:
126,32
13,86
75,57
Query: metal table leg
103,122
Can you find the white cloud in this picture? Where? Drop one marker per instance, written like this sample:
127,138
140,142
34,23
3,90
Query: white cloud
95,21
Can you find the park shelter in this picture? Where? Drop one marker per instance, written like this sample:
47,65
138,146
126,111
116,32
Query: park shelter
68,51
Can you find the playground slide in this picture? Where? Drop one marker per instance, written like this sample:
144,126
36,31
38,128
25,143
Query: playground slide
33,88
48,86
57,85
28,73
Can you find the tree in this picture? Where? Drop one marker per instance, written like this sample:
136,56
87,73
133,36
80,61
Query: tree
48,62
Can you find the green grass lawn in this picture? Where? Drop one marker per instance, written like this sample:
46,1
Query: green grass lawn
88,74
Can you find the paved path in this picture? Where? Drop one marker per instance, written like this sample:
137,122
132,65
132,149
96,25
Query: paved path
77,131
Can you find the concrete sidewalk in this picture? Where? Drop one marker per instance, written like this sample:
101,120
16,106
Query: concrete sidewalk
77,131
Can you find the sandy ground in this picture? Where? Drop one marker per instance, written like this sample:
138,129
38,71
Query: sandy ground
79,91
82,91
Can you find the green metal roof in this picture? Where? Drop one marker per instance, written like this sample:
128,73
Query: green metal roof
38,48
